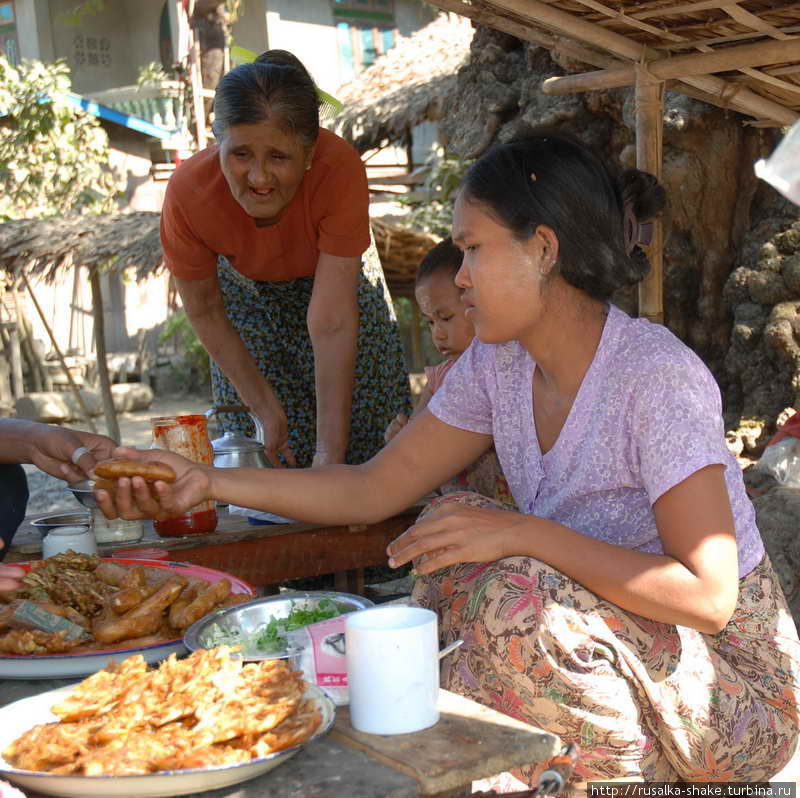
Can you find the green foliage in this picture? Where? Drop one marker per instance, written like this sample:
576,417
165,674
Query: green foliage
179,331
431,207
76,14
53,157
151,74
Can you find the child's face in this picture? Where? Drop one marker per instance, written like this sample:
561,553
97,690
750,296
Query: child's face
439,299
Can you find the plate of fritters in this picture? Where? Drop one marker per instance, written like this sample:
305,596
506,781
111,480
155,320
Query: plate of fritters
122,606
185,726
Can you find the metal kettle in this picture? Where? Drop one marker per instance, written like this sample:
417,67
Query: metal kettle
239,451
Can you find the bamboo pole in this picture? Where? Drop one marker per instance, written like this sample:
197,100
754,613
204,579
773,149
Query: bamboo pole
724,94
36,370
680,66
59,354
112,425
649,148
15,352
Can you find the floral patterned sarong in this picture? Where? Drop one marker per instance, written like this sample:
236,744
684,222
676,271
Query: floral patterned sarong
644,700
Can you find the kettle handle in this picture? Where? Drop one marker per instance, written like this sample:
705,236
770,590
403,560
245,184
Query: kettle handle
213,411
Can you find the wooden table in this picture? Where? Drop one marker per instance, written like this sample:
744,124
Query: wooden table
261,555
469,742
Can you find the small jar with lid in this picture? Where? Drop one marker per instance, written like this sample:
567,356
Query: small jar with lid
116,531
79,539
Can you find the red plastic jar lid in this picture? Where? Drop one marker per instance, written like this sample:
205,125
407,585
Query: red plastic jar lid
142,554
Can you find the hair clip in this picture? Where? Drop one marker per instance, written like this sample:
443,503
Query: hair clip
635,233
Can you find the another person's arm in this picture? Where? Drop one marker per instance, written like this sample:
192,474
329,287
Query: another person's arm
333,328
204,305
52,448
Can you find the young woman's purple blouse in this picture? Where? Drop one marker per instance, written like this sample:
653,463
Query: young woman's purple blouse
648,415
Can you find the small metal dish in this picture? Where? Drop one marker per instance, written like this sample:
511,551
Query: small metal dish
83,491
48,522
250,616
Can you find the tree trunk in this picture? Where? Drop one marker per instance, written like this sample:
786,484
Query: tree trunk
210,23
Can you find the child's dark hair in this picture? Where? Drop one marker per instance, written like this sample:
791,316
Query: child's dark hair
445,256
552,178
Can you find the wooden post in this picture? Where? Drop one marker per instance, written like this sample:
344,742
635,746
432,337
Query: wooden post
36,370
649,138
196,81
59,354
102,364
15,352
409,150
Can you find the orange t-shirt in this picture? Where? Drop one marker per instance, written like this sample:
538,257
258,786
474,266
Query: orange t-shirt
329,213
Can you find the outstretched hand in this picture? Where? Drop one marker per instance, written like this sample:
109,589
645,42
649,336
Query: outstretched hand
456,533
135,499
53,449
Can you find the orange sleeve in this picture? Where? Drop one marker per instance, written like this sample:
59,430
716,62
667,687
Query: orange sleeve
185,255
344,227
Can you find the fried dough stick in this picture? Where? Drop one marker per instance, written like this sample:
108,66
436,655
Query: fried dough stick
126,627
202,605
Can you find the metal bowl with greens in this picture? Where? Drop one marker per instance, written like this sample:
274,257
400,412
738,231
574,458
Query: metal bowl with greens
260,626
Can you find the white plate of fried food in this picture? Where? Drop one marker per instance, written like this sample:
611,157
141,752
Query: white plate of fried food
191,725
123,607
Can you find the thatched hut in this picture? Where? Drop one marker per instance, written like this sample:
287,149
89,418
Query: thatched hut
406,86
45,250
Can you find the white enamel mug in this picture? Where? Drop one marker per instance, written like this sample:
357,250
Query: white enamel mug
392,669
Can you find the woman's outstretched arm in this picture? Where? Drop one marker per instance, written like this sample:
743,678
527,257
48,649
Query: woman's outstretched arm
425,454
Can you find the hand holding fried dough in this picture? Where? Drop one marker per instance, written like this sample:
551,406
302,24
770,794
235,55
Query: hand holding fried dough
135,497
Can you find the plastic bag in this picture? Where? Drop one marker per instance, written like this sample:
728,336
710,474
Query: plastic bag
781,461
782,169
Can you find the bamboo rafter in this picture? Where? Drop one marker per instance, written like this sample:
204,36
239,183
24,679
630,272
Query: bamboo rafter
628,32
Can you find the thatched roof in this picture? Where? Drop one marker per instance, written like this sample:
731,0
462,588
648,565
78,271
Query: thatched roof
46,247
405,86
616,34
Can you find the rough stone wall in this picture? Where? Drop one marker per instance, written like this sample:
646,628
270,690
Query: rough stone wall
732,258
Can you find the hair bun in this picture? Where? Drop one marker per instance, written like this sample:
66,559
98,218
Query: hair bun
643,192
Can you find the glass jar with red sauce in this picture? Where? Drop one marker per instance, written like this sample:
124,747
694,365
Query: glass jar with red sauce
188,437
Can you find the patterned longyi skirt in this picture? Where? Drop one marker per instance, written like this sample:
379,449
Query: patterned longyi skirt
643,700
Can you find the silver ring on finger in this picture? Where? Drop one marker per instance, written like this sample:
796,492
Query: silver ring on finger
78,453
